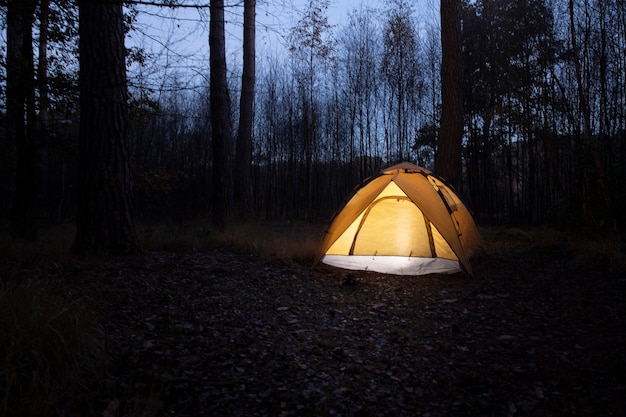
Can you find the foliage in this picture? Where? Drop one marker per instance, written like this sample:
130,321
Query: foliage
310,37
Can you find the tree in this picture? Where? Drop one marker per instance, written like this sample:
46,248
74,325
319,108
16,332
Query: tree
21,115
508,50
104,222
448,156
594,176
220,117
243,155
360,41
401,71
311,49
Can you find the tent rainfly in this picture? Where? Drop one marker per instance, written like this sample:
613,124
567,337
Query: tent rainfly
405,221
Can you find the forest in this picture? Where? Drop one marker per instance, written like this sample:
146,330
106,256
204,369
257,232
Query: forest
162,212
543,116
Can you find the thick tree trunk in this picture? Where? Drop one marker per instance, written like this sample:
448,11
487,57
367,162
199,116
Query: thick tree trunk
104,221
448,158
21,123
243,157
221,123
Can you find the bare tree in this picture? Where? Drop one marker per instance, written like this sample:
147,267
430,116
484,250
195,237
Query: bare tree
104,222
402,75
311,48
363,51
594,171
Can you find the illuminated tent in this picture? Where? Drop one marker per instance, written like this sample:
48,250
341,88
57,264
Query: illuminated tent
404,221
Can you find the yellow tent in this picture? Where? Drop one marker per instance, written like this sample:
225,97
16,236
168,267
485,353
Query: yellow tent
404,221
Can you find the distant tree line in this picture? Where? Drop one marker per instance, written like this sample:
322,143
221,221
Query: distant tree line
543,115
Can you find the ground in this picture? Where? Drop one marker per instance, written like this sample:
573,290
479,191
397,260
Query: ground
223,332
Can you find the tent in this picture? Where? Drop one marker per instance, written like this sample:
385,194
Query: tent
405,221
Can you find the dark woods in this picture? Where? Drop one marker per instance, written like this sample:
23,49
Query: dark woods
543,113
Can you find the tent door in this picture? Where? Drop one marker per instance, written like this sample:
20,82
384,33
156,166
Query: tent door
393,226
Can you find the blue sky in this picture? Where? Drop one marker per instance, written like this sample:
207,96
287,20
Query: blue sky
178,38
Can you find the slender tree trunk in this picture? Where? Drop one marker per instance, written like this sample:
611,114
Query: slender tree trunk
21,126
221,123
43,127
243,157
104,222
596,170
448,158
42,60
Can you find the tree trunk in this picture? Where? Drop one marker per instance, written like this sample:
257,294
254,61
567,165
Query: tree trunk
220,117
243,157
594,175
448,158
104,221
42,63
21,126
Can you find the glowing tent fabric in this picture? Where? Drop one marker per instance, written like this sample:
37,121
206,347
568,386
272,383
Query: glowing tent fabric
405,221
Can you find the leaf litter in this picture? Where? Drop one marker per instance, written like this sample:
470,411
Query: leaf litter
223,333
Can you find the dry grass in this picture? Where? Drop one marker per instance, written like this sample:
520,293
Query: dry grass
283,243
48,343
53,245
606,253
171,237
276,242
603,253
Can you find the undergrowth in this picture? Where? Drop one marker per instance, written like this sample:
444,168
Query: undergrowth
606,254
275,243
283,243
49,347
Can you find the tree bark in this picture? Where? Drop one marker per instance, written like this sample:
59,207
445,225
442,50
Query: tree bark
448,157
221,123
104,222
21,115
243,156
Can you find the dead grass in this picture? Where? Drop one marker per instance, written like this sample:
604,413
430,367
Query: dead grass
176,237
283,243
277,242
48,342
606,254
53,245
603,255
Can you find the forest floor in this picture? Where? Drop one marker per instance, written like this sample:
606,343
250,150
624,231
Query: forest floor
539,331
